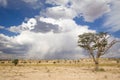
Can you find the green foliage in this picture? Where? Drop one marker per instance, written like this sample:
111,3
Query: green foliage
93,41
85,40
15,61
96,44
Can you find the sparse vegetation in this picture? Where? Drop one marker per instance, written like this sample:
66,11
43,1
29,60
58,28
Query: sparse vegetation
101,69
39,62
15,61
117,61
54,62
24,62
49,71
2,62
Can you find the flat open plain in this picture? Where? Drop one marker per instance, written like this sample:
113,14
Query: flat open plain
60,71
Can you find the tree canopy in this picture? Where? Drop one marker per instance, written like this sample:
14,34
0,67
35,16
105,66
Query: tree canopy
97,44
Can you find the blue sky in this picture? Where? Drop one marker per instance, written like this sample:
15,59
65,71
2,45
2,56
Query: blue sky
22,22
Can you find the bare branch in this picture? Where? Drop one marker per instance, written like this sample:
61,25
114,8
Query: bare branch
109,46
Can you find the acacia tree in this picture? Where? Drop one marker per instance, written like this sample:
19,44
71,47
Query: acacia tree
96,44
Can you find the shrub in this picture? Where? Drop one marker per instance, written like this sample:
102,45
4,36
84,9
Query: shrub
101,70
24,62
39,62
117,61
2,62
15,61
54,62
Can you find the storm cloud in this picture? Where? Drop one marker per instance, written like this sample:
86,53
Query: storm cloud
53,33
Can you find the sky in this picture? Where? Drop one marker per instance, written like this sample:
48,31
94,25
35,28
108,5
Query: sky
49,29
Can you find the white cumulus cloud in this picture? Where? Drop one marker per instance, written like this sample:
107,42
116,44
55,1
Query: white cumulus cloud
58,12
29,25
35,4
53,33
112,22
57,2
50,44
89,10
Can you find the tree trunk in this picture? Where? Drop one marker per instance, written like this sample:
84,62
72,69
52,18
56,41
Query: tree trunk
96,66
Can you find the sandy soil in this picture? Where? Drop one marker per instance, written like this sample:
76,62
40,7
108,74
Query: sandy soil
57,73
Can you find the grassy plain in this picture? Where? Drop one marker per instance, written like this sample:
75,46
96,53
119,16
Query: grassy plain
82,69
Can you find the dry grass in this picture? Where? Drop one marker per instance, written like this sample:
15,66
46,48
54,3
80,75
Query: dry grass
60,70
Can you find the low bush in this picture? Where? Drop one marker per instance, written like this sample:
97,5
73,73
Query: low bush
15,61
